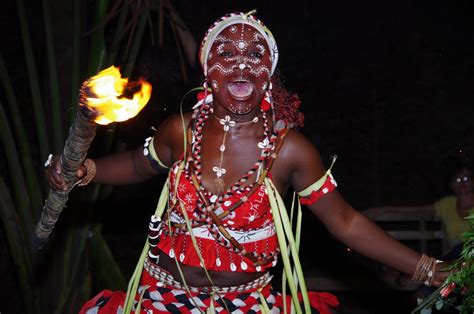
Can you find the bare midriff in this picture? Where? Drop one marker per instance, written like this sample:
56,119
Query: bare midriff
196,277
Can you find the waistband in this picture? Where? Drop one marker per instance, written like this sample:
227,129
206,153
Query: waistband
244,236
165,278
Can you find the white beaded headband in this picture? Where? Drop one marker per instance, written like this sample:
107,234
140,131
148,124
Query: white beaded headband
231,19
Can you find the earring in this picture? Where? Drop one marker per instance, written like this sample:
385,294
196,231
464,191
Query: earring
267,99
202,95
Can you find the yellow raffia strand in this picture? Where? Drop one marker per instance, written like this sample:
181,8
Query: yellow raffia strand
263,302
135,279
318,184
284,232
151,150
139,306
193,240
212,309
188,224
178,266
196,248
298,237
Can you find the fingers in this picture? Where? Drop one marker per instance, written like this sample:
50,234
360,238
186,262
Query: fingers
53,174
82,171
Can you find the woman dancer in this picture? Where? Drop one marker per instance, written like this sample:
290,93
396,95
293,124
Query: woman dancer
220,224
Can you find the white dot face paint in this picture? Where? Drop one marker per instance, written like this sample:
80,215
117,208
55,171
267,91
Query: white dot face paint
239,69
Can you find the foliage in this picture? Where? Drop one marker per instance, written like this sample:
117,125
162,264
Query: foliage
77,260
458,289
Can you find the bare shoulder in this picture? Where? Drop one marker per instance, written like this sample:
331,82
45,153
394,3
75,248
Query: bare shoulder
301,159
174,126
168,138
297,149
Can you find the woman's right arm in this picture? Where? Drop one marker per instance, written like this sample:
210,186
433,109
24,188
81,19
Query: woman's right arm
130,166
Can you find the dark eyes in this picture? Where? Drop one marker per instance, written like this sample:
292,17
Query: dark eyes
256,55
225,54
228,54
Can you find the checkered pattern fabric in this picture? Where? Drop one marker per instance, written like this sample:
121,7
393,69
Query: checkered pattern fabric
170,300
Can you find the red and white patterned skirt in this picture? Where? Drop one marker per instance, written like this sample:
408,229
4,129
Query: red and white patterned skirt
159,297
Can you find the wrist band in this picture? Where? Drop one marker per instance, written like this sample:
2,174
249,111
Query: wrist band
90,172
425,270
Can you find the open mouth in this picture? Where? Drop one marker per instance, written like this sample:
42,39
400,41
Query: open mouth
240,90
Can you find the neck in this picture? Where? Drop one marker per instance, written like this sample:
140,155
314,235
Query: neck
220,113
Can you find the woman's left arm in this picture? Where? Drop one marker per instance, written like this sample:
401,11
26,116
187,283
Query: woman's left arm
344,222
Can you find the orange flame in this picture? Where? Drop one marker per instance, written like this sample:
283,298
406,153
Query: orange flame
111,101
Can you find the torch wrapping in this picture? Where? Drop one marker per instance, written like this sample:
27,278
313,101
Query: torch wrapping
104,98
80,137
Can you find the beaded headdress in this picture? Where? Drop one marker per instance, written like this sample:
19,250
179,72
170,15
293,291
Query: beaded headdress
231,19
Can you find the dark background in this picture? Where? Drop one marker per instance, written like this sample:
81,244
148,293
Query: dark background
387,86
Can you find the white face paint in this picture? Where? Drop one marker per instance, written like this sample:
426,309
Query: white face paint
240,67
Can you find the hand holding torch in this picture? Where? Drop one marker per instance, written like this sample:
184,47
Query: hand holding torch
104,98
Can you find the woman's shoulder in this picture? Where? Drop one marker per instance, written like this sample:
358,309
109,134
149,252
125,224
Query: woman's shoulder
297,146
176,122
168,139
300,159
173,127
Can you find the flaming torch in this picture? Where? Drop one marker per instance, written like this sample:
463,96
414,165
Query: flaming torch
104,98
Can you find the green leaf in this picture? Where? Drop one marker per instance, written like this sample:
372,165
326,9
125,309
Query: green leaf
16,241
107,272
56,112
33,82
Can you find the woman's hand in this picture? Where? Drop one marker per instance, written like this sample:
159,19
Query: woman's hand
441,273
53,170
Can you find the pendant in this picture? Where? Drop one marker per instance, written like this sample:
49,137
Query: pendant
219,183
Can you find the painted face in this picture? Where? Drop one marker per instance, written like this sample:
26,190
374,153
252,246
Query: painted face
239,68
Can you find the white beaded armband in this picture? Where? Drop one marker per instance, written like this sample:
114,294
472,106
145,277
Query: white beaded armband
150,154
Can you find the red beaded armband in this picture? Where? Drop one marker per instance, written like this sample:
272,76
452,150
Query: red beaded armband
312,196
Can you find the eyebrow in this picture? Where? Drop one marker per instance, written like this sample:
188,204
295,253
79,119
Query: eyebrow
222,39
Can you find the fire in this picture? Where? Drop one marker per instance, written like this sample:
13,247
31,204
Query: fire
115,99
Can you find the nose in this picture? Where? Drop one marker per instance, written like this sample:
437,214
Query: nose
241,64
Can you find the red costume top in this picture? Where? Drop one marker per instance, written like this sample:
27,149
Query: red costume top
251,224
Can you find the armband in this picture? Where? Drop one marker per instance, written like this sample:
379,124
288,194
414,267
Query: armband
315,191
150,154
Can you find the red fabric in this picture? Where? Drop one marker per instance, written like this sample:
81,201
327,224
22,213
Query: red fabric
265,105
106,302
251,215
328,186
321,301
201,95
169,300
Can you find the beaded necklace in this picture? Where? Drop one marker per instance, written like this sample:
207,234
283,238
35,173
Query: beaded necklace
209,204
266,145
220,171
